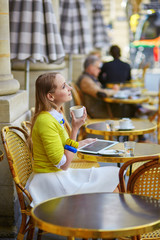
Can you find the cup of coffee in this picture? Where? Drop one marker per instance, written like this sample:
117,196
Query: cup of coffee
77,111
125,123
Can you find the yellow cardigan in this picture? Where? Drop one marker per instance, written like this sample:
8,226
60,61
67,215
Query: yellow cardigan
48,138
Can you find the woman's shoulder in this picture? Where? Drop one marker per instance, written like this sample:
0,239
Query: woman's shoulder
44,117
46,124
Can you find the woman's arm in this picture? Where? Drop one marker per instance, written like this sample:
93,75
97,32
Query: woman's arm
89,87
76,124
94,90
69,155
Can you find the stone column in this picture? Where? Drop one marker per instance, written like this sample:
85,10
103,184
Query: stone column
8,85
13,110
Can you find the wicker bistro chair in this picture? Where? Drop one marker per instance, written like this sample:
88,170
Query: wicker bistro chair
20,164
145,180
157,117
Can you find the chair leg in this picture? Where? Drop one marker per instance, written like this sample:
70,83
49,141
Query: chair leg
70,238
20,236
30,230
22,229
39,234
26,227
30,233
134,238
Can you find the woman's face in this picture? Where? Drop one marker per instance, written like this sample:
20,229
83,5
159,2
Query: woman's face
62,93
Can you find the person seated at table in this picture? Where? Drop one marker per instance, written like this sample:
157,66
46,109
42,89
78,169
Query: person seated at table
115,71
54,150
92,90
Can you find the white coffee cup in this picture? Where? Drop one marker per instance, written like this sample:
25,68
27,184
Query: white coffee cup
127,119
77,111
125,123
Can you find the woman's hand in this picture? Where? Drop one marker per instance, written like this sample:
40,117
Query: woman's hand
86,141
78,122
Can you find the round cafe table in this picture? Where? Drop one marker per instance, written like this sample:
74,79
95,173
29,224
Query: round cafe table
98,215
141,127
148,93
142,150
138,100
1,155
108,100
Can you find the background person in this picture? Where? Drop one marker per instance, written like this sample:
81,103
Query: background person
53,150
92,90
96,53
115,71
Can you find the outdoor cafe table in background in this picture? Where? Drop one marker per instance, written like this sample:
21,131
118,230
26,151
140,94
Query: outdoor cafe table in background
153,103
131,84
125,97
140,127
138,100
142,150
98,215
1,155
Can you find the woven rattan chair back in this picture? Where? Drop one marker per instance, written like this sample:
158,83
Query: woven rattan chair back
158,118
26,125
156,115
20,164
145,180
77,94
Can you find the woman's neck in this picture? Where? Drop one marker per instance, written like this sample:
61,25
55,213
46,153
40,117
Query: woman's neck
58,109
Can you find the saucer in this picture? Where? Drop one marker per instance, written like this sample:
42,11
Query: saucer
131,127
120,96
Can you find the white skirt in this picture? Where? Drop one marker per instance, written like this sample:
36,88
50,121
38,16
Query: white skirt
43,186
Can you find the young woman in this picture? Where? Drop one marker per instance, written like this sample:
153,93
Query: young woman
53,149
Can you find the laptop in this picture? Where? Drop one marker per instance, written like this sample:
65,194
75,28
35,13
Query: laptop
97,146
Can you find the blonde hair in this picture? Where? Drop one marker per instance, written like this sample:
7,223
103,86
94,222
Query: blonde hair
45,83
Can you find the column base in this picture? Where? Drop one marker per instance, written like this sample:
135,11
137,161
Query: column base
9,87
13,106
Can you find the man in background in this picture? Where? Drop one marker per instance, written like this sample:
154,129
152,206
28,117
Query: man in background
92,90
115,71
